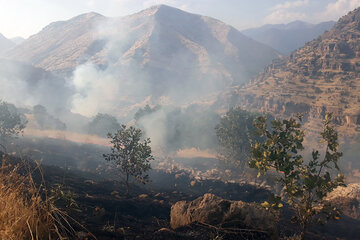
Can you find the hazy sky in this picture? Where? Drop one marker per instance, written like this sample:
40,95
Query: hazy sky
27,17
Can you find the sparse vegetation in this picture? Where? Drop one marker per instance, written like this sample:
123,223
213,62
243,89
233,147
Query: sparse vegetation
130,155
11,123
305,183
317,90
45,120
26,210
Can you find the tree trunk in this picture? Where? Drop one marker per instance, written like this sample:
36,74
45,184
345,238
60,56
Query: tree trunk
127,185
303,231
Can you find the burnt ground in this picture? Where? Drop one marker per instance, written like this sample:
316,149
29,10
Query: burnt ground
109,214
103,209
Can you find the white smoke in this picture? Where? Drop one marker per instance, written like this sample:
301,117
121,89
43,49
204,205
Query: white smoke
26,86
96,91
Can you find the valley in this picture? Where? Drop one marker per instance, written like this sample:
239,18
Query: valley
168,124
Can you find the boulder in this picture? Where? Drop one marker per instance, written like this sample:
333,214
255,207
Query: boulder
213,210
347,199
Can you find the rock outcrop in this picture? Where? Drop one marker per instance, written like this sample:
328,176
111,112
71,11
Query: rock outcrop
213,210
347,199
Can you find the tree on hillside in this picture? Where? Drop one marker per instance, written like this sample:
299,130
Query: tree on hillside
305,183
11,123
130,154
45,120
234,133
102,124
145,111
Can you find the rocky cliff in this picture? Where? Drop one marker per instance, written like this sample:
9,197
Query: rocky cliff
323,76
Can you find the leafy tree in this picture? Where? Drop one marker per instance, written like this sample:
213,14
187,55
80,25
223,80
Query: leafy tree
45,120
234,133
11,122
145,111
102,124
130,155
305,183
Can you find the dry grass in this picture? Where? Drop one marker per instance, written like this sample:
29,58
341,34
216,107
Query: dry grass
26,211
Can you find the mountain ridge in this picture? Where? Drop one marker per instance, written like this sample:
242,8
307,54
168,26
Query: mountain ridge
174,56
286,38
5,44
323,76
162,13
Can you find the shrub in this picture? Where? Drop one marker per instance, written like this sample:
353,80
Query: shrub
131,156
26,212
305,183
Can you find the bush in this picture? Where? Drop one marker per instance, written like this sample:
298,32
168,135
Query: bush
305,183
103,124
234,134
45,120
26,212
11,122
131,156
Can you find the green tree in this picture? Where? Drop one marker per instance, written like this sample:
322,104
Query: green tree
102,124
305,183
130,154
11,123
45,120
145,111
234,133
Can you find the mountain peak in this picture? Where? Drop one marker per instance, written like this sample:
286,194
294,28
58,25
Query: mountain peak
5,44
163,6
88,15
160,9
298,24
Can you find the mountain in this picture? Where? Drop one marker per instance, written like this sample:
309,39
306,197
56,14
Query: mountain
286,38
173,52
323,76
18,40
5,44
60,45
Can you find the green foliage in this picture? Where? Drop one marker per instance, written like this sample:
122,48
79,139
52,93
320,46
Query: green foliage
45,120
103,124
60,193
11,122
305,183
234,134
130,155
145,111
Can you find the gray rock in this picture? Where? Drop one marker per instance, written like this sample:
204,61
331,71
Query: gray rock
213,210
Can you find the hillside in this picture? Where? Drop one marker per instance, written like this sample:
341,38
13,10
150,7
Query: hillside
5,44
60,45
286,38
168,45
18,40
324,75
